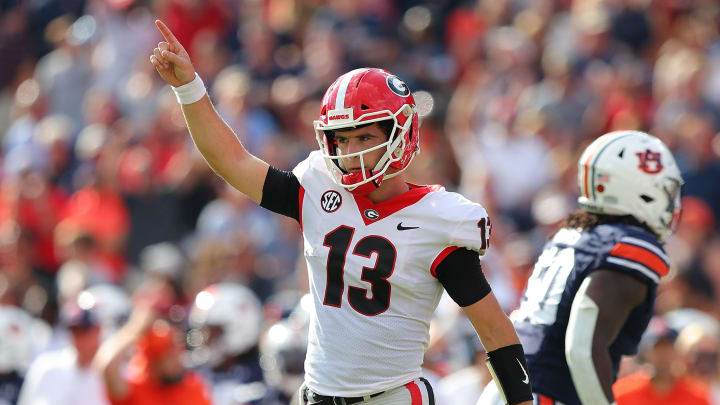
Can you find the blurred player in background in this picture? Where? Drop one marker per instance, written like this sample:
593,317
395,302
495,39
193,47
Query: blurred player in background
112,305
21,337
283,349
226,319
592,291
379,250
65,376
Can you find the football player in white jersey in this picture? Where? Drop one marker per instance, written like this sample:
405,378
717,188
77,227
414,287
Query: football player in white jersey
379,250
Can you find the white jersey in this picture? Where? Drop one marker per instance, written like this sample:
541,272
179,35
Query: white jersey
371,270
54,378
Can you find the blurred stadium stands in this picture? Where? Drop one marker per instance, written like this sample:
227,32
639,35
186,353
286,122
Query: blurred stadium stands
97,165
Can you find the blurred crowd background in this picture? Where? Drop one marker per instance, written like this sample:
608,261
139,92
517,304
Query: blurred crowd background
104,200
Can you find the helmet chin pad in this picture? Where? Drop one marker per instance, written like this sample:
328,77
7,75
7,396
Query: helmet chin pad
357,177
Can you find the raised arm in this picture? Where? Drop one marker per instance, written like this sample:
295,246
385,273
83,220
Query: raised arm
599,310
111,354
215,140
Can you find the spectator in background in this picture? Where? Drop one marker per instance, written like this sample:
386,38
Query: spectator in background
31,200
20,282
663,381
83,264
54,135
99,210
156,374
691,287
698,344
696,138
21,337
195,18
66,72
29,106
163,265
709,265
64,377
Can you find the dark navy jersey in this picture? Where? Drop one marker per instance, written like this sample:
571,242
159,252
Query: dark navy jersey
243,383
570,257
10,388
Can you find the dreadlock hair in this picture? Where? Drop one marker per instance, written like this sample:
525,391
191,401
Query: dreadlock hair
586,220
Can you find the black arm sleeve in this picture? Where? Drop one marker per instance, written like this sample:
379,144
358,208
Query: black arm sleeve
280,194
461,275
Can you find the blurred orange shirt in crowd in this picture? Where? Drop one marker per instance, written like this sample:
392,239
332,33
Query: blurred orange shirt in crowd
39,216
637,389
103,214
146,391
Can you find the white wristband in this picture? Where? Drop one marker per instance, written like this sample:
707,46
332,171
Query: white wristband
191,92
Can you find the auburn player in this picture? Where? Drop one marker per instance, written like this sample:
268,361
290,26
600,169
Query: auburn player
591,294
379,250
226,321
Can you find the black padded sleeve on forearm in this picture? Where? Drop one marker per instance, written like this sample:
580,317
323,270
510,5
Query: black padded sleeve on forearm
509,368
281,192
461,275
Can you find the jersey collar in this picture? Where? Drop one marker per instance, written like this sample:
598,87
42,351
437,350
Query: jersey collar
393,205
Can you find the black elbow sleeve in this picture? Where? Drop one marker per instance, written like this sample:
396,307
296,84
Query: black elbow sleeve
461,275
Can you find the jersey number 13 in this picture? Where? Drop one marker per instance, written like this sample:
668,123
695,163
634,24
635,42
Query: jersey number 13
339,243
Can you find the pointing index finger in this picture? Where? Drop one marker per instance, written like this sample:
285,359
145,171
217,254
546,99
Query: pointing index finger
166,33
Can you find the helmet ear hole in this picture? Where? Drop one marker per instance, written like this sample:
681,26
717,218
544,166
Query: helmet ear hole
647,198
622,153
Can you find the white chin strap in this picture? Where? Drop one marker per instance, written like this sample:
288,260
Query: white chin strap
578,348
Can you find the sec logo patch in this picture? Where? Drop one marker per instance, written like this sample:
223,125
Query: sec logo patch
330,201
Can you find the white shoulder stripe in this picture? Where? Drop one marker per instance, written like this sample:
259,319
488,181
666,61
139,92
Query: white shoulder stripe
636,266
646,245
342,90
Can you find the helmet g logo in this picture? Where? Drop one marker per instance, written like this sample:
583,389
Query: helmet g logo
650,161
398,86
330,201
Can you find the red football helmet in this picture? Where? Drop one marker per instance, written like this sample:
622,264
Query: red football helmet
360,97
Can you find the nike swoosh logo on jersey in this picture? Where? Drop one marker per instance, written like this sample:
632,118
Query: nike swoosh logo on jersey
527,379
400,227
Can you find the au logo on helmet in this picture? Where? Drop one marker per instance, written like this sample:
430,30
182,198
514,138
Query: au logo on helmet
650,162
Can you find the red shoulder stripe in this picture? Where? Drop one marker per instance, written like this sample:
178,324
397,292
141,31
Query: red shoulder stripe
642,256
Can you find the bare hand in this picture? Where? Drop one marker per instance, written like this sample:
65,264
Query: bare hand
171,60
